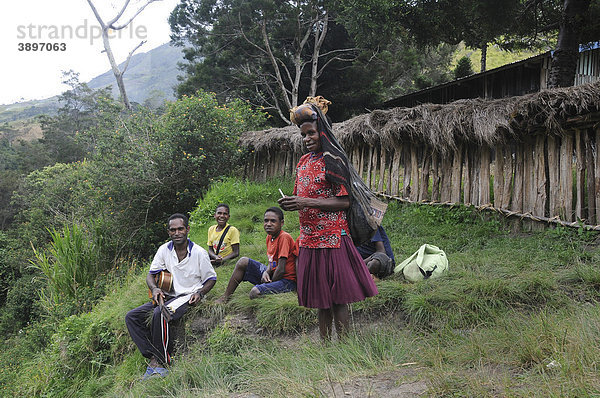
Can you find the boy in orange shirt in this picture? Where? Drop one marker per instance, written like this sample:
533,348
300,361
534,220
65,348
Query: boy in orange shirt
279,276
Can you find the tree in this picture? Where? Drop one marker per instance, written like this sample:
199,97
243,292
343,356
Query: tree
463,68
430,22
512,24
113,24
564,59
270,53
81,109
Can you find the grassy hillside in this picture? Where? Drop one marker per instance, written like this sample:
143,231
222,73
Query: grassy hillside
495,56
516,315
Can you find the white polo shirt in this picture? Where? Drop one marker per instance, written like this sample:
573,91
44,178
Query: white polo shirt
191,273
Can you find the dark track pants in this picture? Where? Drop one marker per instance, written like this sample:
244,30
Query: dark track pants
153,340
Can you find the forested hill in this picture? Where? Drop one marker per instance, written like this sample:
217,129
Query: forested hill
150,77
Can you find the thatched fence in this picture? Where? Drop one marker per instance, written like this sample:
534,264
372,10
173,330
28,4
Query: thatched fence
535,156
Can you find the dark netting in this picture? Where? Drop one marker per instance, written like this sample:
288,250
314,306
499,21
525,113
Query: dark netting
366,211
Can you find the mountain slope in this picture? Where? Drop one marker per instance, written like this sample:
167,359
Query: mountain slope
151,77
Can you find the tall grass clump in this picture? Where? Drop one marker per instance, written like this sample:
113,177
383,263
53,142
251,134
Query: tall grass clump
70,265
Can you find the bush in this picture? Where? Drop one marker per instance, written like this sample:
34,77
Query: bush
140,172
22,304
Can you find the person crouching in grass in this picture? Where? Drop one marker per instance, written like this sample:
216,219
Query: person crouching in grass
279,276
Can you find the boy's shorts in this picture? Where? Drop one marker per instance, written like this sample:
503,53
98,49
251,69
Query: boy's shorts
253,274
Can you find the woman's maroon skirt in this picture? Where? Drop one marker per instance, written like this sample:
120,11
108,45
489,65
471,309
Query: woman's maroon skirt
332,276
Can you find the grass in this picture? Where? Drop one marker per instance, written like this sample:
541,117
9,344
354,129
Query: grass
516,315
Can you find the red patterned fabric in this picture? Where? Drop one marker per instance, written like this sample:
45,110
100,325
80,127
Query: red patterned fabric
318,228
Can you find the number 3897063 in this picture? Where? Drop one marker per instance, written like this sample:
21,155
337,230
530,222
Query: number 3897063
42,46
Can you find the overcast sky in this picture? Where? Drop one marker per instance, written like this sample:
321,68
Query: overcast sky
71,24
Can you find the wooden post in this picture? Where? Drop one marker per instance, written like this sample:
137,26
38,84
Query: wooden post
435,177
457,164
291,165
284,164
249,167
590,178
597,174
424,178
540,177
566,177
484,176
374,162
517,195
264,169
406,160
396,168
361,165
414,173
467,176
553,176
528,182
254,166
369,161
475,175
508,177
446,175
274,161
579,174
271,162
257,166
282,156
356,158
389,172
498,176
382,167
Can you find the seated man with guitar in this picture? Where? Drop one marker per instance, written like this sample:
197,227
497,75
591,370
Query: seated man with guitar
186,274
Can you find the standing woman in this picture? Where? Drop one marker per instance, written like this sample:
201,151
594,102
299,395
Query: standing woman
330,272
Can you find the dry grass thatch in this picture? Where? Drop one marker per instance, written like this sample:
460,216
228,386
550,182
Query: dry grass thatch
475,121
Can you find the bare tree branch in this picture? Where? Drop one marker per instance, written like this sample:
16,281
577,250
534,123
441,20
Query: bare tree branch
115,19
130,54
132,18
320,72
107,48
319,38
100,21
274,63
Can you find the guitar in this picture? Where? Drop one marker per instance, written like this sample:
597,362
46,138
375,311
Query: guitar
164,281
